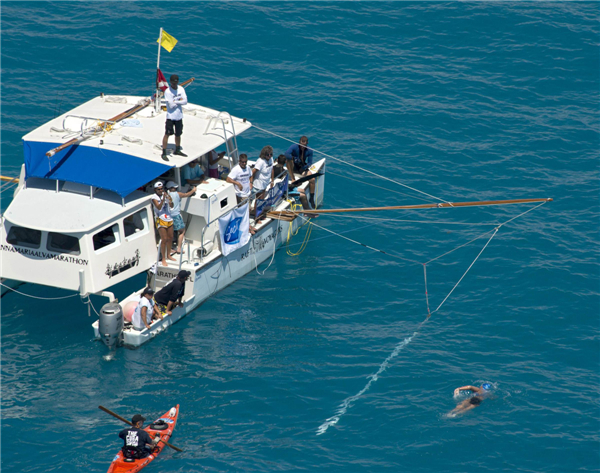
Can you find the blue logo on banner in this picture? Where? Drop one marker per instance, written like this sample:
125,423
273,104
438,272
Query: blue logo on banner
274,195
232,234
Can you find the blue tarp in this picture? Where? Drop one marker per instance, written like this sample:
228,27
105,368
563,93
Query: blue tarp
92,166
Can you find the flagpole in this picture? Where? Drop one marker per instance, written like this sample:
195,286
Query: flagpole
157,101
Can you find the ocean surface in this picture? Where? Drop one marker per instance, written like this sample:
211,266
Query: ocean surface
328,362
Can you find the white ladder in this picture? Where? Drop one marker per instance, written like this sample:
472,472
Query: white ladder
231,142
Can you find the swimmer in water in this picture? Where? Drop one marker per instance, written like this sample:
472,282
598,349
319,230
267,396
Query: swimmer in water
472,402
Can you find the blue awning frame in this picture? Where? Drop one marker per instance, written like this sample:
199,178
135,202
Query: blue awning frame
92,166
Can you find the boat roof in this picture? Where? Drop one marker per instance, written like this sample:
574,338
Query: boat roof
128,154
36,207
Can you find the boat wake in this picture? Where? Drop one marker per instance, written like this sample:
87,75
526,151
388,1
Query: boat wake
349,401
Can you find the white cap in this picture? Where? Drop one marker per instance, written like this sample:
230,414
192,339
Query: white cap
171,184
158,184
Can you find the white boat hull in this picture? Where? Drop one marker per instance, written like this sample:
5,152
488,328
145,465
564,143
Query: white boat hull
218,272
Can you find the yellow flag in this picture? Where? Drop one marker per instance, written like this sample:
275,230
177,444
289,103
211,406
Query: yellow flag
168,42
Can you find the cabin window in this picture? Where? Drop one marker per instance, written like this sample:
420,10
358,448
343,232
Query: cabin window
224,202
106,237
135,223
60,243
22,236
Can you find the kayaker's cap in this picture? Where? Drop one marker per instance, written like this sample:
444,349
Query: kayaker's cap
137,418
158,184
183,274
171,184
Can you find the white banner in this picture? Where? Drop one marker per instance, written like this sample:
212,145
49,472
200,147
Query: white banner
234,229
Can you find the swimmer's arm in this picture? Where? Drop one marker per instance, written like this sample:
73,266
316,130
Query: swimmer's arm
467,388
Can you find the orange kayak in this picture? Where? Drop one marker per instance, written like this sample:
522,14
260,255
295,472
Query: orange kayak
162,426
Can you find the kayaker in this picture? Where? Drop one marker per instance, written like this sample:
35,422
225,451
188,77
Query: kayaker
138,443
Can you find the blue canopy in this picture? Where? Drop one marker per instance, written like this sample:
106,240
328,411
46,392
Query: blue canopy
92,166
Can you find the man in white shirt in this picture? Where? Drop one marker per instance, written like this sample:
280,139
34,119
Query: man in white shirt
176,99
240,178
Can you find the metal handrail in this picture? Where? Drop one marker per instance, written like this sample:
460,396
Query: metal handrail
157,258
233,136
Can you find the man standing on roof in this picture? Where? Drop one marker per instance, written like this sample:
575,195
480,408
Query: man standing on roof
170,296
176,99
138,443
299,158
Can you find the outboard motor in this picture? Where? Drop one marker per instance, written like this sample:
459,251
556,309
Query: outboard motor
110,324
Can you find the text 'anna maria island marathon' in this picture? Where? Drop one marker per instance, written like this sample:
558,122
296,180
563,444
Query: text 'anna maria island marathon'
123,185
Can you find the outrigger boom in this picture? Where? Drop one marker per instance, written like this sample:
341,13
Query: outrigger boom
101,125
420,206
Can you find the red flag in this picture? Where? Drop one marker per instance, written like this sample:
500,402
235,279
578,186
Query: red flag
161,82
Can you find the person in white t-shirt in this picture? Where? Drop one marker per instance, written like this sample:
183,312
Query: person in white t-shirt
240,178
145,311
176,98
262,174
162,205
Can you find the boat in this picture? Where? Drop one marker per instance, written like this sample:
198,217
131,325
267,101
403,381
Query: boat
163,427
81,217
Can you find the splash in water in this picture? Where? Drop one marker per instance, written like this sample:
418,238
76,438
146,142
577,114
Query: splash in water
348,402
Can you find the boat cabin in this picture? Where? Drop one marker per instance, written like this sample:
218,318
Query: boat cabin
81,217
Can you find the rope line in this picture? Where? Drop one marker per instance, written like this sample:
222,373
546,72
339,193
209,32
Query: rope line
272,257
348,402
37,297
465,273
358,242
377,187
353,165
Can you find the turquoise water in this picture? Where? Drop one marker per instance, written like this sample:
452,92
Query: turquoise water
463,101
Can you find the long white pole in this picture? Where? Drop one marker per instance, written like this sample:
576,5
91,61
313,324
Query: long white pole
157,101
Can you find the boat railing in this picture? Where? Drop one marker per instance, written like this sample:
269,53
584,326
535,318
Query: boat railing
230,143
243,202
157,261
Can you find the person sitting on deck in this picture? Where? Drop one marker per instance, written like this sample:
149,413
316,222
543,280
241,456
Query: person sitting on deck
170,296
299,158
472,402
162,204
145,311
192,173
138,443
178,224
